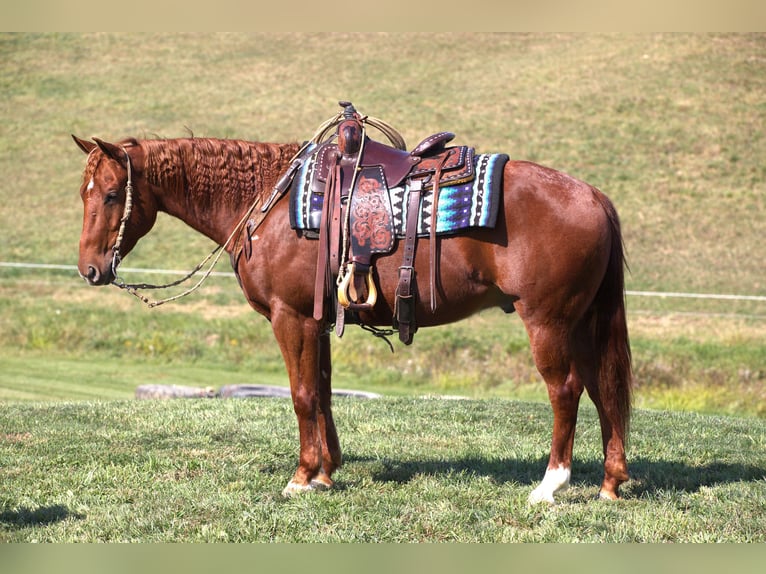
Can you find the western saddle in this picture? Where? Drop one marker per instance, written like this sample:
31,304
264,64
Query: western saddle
353,174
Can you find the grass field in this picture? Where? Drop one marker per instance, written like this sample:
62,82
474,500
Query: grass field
415,471
670,126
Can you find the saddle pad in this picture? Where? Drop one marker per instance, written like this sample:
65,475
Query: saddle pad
471,204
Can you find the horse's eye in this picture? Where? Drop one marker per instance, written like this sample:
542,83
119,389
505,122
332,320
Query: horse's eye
110,197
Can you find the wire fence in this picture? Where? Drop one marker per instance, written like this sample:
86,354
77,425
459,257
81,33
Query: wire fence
629,293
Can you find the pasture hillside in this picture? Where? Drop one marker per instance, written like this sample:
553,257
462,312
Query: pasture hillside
670,126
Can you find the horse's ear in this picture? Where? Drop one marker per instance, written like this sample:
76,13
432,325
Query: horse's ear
84,145
110,150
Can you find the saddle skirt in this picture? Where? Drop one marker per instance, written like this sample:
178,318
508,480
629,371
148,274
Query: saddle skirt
462,204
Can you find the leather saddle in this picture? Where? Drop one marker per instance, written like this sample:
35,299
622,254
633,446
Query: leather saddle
353,174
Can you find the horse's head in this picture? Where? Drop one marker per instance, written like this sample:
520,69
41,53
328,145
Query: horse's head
112,190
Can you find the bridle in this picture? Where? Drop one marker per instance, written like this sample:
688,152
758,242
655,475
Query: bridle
133,288
116,257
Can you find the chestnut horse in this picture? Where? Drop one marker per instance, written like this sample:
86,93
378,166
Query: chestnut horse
555,256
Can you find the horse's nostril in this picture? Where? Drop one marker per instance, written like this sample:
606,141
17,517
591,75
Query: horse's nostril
93,274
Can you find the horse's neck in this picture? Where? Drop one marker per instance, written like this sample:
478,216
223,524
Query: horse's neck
210,184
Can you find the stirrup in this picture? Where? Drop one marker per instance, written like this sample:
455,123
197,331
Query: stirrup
347,291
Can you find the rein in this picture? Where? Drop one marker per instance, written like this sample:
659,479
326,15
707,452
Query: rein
133,288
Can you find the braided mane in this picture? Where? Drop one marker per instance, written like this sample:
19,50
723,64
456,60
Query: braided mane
229,173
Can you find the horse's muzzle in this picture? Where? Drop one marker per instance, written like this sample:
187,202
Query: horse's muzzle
95,277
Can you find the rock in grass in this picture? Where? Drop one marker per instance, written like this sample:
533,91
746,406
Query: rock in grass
173,392
228,391
245,391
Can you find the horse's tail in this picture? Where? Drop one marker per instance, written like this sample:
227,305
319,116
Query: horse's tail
610,328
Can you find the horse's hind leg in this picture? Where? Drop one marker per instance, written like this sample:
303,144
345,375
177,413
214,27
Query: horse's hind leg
586,362
554,359
600,370
613,439
569,364
615,463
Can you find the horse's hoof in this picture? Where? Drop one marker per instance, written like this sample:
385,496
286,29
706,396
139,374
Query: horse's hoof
321,482
294,489
604,495
537,496
319,485
555,480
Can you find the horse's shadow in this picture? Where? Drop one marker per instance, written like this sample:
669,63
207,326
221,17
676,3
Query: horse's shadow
25,517
648,477
652,476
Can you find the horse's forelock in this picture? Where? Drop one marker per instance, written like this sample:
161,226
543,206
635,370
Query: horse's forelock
96,155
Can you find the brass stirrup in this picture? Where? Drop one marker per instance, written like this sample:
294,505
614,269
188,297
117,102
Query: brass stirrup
347,291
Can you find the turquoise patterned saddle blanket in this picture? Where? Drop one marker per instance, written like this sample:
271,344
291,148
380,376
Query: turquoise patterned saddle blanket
474,203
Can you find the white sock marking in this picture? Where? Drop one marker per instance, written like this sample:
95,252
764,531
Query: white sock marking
555,480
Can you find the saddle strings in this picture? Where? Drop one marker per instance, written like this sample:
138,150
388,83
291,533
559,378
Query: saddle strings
343,267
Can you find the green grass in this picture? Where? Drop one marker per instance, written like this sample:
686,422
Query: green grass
213,470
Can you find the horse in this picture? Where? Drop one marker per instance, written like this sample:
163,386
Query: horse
555,257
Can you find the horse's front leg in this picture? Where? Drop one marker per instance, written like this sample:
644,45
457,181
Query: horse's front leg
331,453
299,340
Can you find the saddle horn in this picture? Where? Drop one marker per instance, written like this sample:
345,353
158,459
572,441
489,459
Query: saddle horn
387,130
